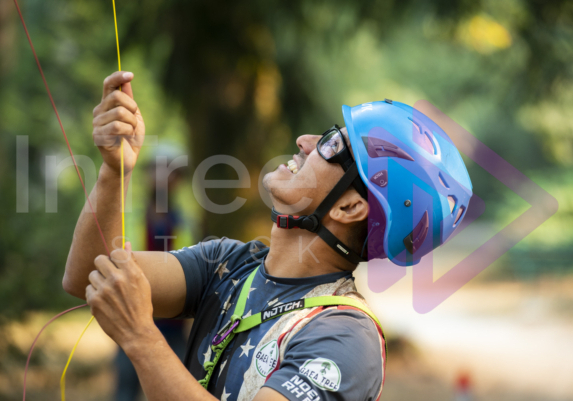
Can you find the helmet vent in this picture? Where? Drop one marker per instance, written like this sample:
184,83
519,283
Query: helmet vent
430,143
416,126
425,139
461,212
452,201
381,148
414,240
443,181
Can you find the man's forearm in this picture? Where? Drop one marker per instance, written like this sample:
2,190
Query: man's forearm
161,373
87,243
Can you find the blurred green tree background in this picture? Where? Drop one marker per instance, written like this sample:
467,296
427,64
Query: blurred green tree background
246,78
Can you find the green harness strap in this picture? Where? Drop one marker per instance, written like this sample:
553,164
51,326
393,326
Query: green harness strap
237,324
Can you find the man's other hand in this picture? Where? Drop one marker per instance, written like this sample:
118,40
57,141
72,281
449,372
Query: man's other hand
120,298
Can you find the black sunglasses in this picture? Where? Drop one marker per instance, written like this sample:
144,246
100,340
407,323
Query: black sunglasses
333,148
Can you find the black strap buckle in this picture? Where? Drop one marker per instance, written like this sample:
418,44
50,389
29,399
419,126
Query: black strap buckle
310,223
284,219
287,221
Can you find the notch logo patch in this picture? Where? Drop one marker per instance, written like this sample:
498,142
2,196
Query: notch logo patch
282,308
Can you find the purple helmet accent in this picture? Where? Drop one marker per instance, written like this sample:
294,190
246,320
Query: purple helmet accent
380,178
413,241
381,148
419,187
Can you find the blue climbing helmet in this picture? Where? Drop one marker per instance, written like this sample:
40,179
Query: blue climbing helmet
418,185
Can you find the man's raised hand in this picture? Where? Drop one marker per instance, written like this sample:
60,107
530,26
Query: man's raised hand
116,117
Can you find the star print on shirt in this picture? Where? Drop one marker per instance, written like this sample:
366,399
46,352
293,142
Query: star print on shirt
234,282
250,290
207,355
225,395
222,367
247,314
246,348
226,305
270,281
222,269
274,301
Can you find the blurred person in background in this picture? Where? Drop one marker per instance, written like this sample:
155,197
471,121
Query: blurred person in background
463,391
338,186
162,218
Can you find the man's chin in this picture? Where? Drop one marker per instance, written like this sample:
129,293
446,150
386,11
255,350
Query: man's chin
284,192
298,208
267,181
284,202
276,179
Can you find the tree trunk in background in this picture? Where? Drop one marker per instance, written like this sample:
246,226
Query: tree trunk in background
7,37
223,69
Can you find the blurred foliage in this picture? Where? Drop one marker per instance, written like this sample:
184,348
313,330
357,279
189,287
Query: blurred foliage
246,78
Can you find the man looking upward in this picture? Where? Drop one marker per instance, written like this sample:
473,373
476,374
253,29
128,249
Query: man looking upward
354,194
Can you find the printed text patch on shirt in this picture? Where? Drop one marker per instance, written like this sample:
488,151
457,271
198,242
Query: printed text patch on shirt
282,308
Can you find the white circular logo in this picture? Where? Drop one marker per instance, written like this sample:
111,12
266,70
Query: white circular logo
266,358
323,372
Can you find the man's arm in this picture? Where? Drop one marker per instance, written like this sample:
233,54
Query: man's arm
119,296
164,377
118,117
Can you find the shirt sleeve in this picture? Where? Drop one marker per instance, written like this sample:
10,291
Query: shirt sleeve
337,356
199,263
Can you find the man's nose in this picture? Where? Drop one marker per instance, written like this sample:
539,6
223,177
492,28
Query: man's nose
307,143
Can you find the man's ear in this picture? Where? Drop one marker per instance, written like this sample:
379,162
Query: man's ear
350,208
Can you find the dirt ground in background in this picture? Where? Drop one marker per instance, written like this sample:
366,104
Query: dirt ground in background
90,375
515,340
411,378
528,328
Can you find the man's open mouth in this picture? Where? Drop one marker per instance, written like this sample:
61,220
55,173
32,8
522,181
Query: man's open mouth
292,166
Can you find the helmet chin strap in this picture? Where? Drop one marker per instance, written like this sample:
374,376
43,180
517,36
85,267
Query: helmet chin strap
313,223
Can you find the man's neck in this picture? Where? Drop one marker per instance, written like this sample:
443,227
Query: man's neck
300,253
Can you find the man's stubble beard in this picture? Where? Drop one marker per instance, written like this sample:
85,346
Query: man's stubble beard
274,193
266,185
